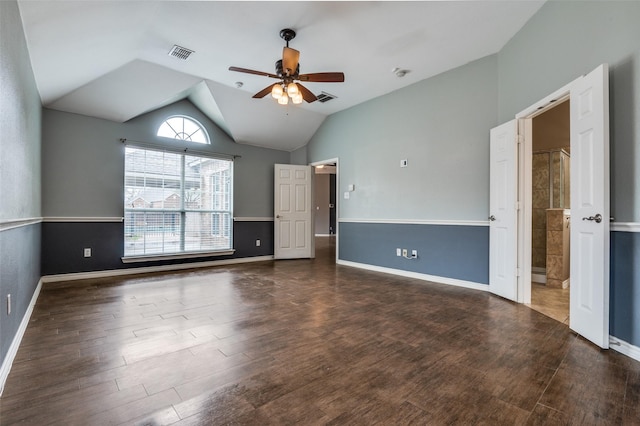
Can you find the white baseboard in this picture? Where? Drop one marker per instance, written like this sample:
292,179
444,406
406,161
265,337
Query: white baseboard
15,344
416,275
539,278
624,348
148,269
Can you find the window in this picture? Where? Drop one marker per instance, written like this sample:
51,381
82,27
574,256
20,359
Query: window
183,128
176,203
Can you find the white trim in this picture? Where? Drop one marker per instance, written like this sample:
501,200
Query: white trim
253,219
624,348
5,225
81,219
416,275
17,339
625,226
193,255
323,235
418,221
148,269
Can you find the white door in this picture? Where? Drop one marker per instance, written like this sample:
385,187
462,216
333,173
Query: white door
292,212
589,296
503,218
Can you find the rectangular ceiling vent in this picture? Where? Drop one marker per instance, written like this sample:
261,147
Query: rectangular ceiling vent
325,97
180,52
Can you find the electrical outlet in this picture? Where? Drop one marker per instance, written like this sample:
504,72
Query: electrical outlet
414,254
398,252
257,243
404,252
87,252
8,304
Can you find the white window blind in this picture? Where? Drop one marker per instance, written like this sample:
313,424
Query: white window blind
176,203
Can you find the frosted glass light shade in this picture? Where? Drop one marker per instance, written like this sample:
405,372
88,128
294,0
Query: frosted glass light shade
277,91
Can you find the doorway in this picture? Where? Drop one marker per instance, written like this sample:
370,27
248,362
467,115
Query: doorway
550,212
510,213
325,207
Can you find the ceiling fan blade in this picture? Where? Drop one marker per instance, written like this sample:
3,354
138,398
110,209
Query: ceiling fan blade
290,59
323,77
306,93
264,92
248,71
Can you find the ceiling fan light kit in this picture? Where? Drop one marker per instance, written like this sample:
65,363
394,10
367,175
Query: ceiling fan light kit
288,72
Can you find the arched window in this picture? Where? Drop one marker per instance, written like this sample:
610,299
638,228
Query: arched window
183,128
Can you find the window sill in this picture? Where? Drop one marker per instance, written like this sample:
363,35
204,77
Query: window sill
189,255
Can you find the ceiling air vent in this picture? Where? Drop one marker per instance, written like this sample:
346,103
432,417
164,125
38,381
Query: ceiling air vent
180,52
325,97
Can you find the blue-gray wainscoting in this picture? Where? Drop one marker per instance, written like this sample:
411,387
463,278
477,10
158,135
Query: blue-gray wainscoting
19,276
450,251
624,318
63,246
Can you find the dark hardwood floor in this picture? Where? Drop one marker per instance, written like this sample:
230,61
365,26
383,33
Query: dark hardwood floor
304,342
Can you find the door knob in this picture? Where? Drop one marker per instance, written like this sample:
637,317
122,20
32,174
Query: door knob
492,218
597,218
277,216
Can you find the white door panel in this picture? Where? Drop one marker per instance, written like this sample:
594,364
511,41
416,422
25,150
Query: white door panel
502,211
589,296
292,215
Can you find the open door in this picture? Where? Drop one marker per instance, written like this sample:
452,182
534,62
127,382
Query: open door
589,298
292,212
503,220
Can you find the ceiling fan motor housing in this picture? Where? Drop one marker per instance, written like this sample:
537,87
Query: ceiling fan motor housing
287,35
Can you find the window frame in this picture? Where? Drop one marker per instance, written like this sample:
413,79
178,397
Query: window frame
175,137
182,210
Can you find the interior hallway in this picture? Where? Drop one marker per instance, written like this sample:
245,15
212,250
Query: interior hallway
308,342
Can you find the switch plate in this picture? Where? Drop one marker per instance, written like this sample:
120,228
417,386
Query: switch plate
404,163
346,195
351,187
398,252
8,304
414,254
257,243
87,252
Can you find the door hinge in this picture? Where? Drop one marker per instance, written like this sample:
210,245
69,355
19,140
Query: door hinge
519,138
517,205
517,272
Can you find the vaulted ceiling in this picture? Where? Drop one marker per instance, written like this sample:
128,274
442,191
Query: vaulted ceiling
109,59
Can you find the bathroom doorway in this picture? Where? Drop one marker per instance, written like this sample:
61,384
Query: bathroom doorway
550,212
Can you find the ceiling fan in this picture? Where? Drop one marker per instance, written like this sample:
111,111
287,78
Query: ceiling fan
288,72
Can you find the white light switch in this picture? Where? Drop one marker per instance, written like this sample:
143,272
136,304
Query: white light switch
403,163
346,195
87,252
351,187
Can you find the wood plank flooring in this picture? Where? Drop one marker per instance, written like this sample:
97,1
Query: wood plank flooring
304,342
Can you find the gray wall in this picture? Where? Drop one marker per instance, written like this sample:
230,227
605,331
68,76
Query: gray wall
321,203
84,167
83,176
439,125
20,119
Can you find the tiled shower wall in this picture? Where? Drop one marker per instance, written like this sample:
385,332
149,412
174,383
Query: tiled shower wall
548,168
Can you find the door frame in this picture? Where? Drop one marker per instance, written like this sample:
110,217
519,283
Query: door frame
525,182
335,161
579,89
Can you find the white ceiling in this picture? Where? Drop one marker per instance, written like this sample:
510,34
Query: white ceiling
108,59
